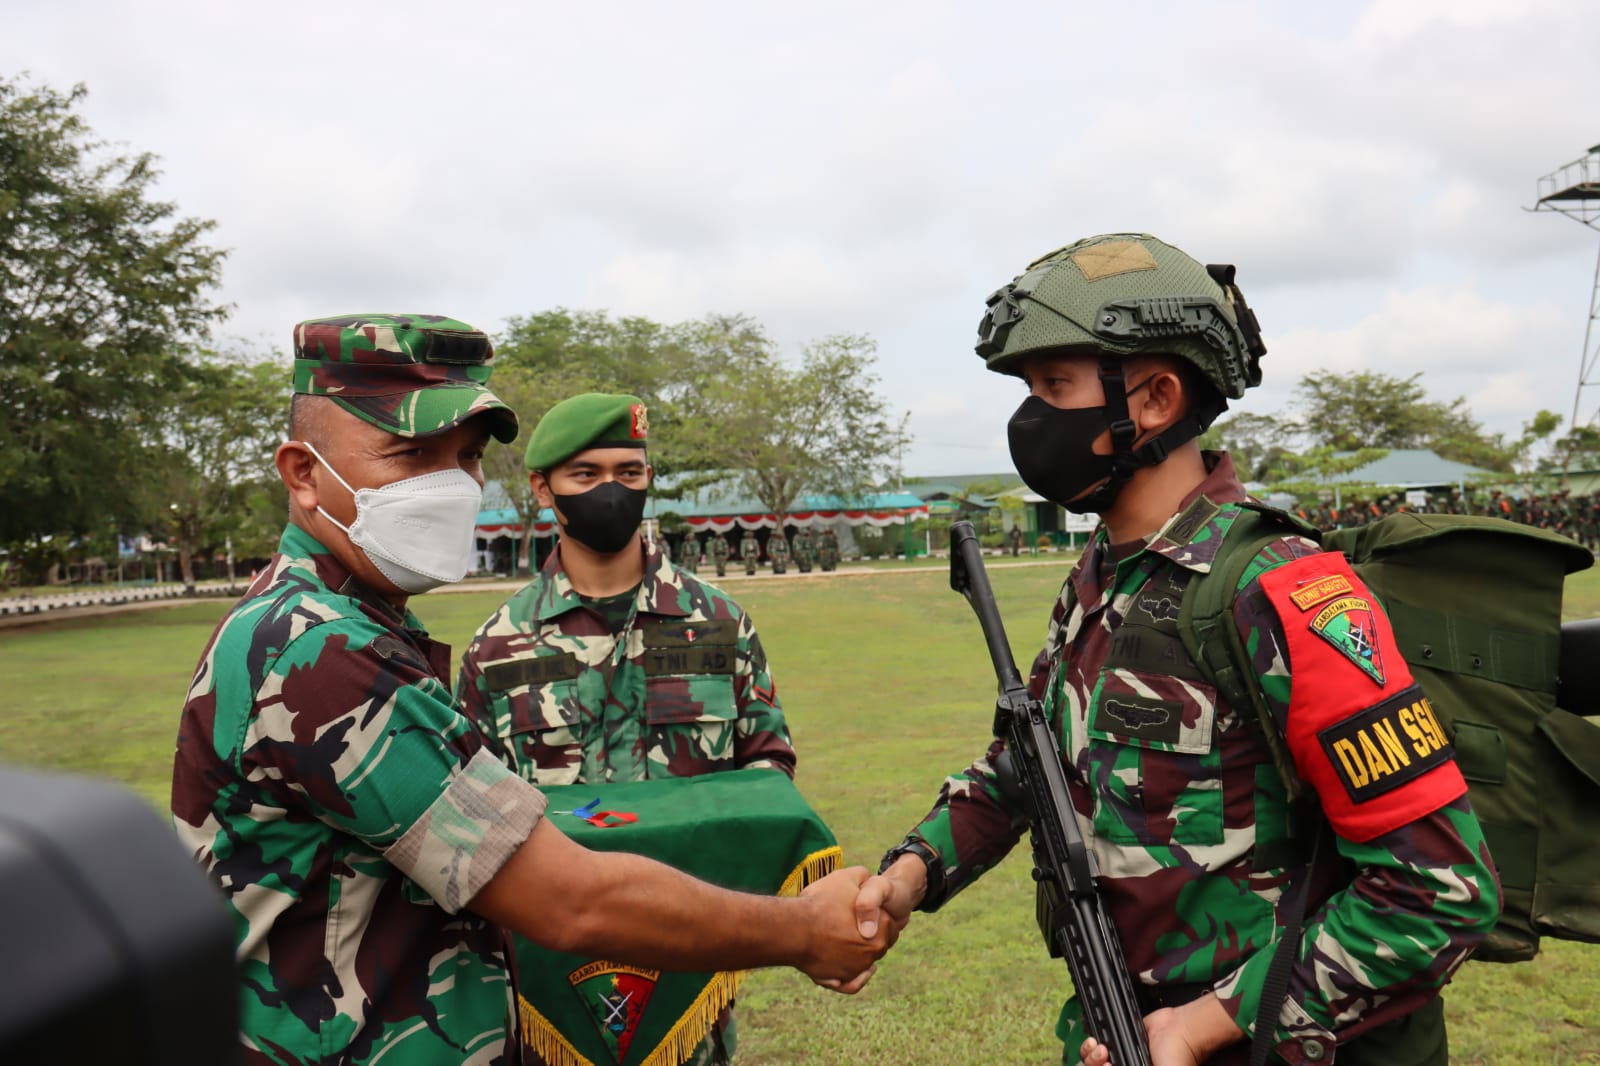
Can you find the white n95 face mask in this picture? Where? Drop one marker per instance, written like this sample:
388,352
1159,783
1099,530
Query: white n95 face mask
418,531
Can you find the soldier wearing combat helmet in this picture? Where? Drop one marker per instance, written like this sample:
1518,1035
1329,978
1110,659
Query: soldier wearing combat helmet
571,679
1129,349
368,844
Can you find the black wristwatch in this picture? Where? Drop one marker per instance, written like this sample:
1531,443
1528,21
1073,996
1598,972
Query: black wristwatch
933,895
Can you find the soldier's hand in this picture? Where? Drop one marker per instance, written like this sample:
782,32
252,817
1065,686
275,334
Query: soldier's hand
845,942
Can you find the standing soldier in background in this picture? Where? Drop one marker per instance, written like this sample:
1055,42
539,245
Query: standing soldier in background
1015,537
828,550
584,675
719,554
778,550
750,551
804,553
689,553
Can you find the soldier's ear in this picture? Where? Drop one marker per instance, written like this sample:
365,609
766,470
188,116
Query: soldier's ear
297,467
540,484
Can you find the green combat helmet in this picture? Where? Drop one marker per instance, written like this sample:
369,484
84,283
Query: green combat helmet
1125,294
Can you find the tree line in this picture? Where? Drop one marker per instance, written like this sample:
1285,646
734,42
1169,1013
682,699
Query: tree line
120,417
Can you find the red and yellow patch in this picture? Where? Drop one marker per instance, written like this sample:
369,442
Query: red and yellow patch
1320,591
640,429
1376,760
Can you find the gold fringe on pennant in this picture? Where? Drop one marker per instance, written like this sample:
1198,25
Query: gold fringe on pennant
686,1035
813,867
545,1040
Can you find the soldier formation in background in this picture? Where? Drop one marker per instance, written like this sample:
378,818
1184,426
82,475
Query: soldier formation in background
1572,516
778,551
750,552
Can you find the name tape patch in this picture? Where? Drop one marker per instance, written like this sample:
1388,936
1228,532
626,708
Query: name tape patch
1383,747
530,670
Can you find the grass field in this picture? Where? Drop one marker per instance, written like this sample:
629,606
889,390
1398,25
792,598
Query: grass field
887,689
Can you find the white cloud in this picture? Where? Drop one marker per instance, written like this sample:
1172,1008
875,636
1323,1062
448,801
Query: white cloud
880,168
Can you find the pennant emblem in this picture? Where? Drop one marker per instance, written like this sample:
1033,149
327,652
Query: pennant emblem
639,428
614,996
1348,624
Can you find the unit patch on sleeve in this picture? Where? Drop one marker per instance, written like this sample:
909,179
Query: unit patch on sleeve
1348,625
1383,747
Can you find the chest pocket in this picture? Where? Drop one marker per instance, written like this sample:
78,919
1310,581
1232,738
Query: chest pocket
537,715
690,709
1154,756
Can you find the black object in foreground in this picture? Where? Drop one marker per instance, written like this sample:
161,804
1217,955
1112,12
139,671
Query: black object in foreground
1071,915
117,947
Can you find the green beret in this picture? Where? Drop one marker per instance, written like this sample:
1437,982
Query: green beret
412,375
592,420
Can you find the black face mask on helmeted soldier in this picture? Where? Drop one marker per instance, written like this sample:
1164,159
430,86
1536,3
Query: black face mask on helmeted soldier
1053,450
605,518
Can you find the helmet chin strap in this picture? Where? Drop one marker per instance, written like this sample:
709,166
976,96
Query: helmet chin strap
1126,456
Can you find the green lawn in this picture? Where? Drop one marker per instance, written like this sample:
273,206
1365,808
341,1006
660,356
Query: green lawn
887,688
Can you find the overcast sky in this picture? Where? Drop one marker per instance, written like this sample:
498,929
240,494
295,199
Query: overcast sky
877,168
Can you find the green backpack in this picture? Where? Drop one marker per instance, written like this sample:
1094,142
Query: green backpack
1476,609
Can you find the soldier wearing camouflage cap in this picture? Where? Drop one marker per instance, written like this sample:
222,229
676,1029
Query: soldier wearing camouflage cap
366,841
578,677
1129,349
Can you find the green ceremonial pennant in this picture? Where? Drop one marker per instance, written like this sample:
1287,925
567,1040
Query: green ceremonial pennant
749,830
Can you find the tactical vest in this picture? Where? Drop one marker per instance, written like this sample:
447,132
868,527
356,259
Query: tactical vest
1475,604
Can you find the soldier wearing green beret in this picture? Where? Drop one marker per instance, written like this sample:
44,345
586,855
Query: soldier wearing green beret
368,843
581,676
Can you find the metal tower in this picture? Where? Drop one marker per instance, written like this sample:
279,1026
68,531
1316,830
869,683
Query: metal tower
1574,190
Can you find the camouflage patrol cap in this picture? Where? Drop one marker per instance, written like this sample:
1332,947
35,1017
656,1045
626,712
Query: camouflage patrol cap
412,375
1125,294
591,420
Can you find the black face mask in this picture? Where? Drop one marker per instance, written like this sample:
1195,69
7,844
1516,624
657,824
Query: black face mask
1053,450
605,518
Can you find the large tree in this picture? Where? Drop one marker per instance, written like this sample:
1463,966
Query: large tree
820,427
104,292
214,456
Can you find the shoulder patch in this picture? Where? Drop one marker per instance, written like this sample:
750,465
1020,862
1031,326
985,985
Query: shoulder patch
1359,727
1384,747
1347,623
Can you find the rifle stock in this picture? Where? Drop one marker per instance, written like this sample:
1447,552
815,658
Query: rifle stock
1071,915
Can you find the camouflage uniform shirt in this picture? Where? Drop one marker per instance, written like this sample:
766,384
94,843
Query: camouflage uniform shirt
682,690
1188,819
348,812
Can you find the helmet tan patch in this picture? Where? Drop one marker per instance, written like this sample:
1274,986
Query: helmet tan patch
1110,258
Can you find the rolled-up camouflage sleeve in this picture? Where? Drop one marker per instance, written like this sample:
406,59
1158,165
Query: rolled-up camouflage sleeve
762,735
1423,896
461,841
355,724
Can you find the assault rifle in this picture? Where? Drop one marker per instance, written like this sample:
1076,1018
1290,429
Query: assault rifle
1071,915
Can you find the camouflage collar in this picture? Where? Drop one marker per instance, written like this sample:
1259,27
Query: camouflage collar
658,590
1192,536
306,553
